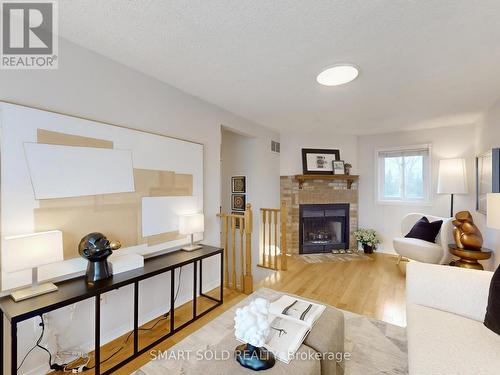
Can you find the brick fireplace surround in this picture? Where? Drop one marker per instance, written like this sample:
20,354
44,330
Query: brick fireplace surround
316,191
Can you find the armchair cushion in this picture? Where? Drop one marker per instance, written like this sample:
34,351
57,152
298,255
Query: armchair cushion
423,251
424,230
492,318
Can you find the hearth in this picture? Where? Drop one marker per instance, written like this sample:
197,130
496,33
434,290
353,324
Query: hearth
323,227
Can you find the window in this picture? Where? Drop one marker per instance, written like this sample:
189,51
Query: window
404,174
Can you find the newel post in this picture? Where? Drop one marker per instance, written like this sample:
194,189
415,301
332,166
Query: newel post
283,249
248,285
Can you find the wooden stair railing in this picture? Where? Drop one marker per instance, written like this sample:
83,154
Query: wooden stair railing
274,238
237,230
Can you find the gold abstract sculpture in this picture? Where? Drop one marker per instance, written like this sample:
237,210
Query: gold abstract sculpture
466,233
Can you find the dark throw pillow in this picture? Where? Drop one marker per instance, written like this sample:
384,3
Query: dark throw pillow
492,318
423,230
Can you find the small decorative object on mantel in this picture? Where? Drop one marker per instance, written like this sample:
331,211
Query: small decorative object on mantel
252,326
239,184
318,161
238,202
368,238
96,248
348,168
466,233
338,167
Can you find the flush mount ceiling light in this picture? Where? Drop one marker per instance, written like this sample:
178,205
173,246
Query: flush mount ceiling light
337,75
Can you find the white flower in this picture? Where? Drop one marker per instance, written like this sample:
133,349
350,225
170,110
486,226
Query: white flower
251,322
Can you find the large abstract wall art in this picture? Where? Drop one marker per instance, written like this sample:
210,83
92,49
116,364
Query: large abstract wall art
79,176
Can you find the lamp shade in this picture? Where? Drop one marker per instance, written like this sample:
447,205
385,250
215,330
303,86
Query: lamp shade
32,250
452,177
493,216
189,224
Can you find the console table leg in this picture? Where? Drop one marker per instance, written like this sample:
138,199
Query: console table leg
222,278
136,317
97,350
172,299
195,283
13,347
201,277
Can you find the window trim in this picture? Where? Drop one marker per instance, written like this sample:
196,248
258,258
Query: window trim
427,200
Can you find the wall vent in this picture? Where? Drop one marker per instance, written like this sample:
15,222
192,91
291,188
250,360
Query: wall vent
275,147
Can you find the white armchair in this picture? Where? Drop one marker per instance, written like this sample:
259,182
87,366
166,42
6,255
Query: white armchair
423,251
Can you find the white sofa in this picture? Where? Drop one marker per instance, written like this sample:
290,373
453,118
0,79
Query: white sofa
445,313
423,251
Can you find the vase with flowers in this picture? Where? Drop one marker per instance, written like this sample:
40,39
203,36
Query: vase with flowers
368,239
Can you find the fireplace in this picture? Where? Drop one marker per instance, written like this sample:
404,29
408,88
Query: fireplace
323,227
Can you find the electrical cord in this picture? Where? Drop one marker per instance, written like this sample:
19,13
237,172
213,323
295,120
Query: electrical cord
164,317
37,345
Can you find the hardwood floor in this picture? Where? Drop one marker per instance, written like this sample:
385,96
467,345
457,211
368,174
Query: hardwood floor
373,288
370,287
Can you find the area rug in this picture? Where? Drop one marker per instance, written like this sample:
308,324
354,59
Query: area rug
376,347
341,256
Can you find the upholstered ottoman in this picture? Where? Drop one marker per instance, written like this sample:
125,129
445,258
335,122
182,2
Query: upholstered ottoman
197,353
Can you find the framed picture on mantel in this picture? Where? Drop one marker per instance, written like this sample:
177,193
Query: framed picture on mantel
319,161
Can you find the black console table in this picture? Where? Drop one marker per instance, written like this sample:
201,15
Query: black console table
75,290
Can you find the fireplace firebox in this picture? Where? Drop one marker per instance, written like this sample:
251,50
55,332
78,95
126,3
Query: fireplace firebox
323,228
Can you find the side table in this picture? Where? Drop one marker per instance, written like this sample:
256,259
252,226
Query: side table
469,258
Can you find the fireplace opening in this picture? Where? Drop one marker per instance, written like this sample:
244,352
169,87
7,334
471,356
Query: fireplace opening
323,227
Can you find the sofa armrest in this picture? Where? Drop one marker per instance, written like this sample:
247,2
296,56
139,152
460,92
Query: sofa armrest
456,290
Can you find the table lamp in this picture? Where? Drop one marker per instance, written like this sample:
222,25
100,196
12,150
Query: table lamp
452,178
30,251
189,225
493,216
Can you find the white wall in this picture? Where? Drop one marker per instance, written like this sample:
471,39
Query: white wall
293,143
251,157
92,86
449,142
488,137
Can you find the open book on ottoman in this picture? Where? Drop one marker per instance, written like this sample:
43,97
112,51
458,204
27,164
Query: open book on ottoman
291,319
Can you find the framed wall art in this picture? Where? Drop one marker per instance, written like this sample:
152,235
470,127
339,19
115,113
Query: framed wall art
318,161
487,177
238,221
238,184
238,202
338,167
61,172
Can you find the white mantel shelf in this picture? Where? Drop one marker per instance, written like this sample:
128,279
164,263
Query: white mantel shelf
338,177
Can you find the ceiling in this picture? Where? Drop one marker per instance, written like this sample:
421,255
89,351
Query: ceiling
422,63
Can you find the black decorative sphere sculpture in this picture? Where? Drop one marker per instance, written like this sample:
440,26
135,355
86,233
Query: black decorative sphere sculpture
96,248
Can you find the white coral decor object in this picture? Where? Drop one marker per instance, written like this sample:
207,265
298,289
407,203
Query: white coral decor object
251,322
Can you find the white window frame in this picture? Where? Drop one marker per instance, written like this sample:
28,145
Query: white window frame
379,176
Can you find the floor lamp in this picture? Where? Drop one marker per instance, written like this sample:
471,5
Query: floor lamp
452,178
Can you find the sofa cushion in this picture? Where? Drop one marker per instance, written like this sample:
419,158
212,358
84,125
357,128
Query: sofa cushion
444,343
424,230
420,250
492,318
